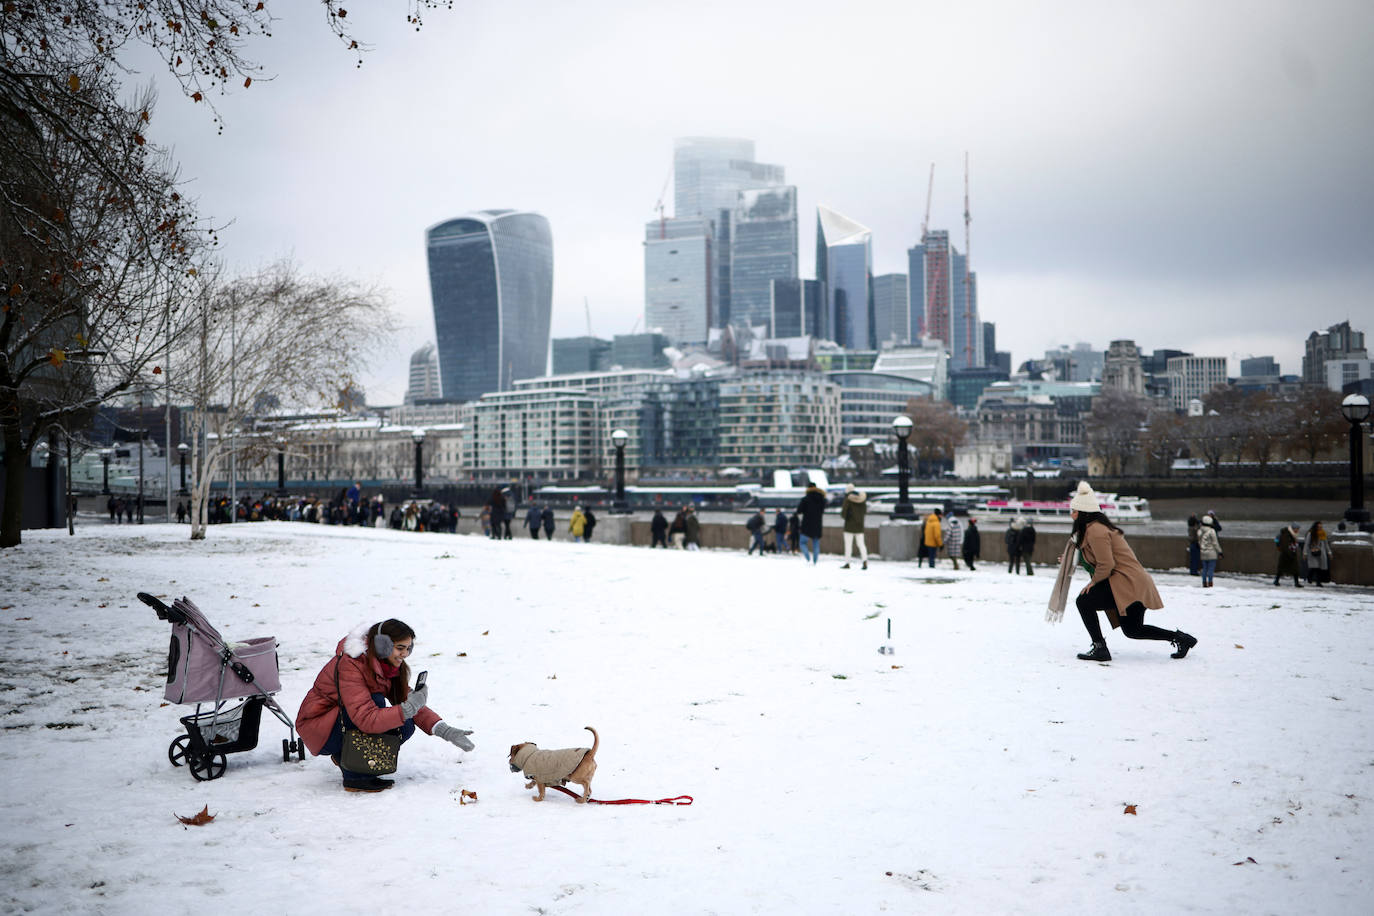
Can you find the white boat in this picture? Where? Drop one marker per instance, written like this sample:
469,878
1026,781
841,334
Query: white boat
924,499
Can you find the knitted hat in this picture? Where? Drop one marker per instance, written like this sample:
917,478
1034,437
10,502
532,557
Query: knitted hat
849,488
1085,500
1208,521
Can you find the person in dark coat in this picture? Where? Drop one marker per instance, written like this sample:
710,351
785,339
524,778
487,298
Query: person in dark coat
547,518
1025,543
812,512
973,542
1012,540
793,532
677,531
658,528
1288,544
780,531
498,512
1194,551
755,526
590,517
691,529
532,518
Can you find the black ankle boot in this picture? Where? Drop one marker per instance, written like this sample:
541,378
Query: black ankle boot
1183,642
1098,653
366,784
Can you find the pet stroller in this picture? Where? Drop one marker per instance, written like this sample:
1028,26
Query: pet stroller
203,669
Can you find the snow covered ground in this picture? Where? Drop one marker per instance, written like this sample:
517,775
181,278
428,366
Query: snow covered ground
979,769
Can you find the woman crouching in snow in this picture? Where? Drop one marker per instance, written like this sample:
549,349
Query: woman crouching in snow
373,679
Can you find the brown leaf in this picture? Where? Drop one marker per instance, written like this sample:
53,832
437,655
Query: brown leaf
485,632
1130,809
1239,646
199,820
74,83
57,357
247,81
157,370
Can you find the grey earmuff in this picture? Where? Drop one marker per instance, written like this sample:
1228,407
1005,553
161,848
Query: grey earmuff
382,645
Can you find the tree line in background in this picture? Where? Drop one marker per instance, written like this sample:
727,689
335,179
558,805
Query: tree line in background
108,274
1130,436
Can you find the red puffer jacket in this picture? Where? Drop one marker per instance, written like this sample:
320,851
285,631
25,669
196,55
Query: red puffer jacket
358,680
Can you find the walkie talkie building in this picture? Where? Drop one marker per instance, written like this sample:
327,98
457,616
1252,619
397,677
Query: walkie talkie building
491,282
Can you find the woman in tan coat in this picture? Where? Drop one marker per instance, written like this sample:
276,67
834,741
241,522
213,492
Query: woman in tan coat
1119,585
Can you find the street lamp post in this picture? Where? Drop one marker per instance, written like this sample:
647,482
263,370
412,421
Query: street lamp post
901,425
419,436
1355,408
618,438
105,454
182,449
281,467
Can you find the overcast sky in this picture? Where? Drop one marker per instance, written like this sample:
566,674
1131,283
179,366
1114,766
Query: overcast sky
1189,175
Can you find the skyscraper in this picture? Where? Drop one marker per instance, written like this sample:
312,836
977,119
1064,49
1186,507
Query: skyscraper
424,375
491,282
949,307
891,309
797,308
708,174
844,265
678,281
763,243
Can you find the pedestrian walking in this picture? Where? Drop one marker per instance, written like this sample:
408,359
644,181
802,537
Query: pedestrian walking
181,512
854,510
547,518
1288,543
677,531
590,516
658,530
498,512
780,532
932,536
973,543
1194,552
812,512
755,526
486,520
1209,549
953,533
1119,585
577,525
1025,545
793,533
532,519
1317,550
691,529
1012,539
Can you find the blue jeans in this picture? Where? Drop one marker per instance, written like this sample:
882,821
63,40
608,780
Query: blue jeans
781,537
1208,568
335,742
758,542
812,546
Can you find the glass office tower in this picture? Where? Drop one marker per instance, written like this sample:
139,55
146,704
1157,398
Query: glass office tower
891,310
491,282
844,263
798,308
678,279
763,249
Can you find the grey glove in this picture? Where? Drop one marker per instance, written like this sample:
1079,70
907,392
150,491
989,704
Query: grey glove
417,699
455,736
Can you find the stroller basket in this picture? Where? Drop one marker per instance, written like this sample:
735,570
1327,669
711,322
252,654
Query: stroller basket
202,668
226,731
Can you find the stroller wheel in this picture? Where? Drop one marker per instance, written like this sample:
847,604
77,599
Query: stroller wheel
300,748
211,766
285,751
176,752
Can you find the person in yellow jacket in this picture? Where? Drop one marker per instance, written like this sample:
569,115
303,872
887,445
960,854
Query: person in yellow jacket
577,525
933,538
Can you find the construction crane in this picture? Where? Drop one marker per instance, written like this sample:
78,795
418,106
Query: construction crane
663,220
930,190
969,348
586,307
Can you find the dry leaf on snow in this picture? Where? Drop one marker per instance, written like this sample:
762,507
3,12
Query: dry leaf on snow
200,820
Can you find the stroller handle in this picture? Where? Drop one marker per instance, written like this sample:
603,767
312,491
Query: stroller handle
164,612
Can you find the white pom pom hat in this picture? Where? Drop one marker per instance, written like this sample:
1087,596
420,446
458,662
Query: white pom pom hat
1085,500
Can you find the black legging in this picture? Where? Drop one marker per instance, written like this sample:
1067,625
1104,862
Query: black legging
1133,626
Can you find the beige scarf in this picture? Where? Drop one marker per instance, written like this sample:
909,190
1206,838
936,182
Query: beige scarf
1059,596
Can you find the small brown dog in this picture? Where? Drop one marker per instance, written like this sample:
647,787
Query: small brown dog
555,768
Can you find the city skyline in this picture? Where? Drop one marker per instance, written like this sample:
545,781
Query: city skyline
1218,203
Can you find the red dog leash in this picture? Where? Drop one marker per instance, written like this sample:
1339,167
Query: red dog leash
676,800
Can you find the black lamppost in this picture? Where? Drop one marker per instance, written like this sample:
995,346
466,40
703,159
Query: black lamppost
618,438
182,449
901,425
419,436
280,442
105,454
1355,408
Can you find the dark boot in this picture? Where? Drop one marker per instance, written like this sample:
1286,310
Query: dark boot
865,566
845,566
1098,653
367,784
1182,642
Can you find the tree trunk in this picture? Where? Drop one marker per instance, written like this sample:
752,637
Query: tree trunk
16,464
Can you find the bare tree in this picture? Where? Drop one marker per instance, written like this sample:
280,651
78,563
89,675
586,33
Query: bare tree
936,431
1317,423
1112,431
299,338
1164,440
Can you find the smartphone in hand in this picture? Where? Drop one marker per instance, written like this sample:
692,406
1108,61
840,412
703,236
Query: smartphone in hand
420,680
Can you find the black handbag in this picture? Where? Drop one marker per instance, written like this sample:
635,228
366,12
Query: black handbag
363,752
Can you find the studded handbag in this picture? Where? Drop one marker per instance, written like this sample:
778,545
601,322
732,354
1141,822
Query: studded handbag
363,752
